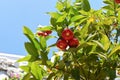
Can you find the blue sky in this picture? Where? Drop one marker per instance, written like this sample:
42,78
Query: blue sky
14,14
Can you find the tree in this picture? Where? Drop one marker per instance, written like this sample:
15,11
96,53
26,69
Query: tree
87,38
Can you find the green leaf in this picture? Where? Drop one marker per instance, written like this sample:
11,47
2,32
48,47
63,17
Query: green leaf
108,2
54,14
91,37
100,55
118,16
114,50
105,41
36,71
31,49
26,30
60,6
29,58
62,17
26,58
84,30
86,5
45,28
50,76
66,76
25,68
77,17
27,76
108,8
31,37
99,44
75,73
44,57
43,43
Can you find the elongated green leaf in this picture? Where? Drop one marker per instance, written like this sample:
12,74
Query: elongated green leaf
118,16
28,33
54,14
27,76
86,5
84,30
62,18
114,50
91,37
31,49
26,58
26,30
44,57
43,43
36,71
99,44
105,41
77,17
50,76
60,6
25,68
100,55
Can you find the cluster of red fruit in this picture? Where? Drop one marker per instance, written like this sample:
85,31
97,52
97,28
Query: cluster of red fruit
67,39
44,33
117,1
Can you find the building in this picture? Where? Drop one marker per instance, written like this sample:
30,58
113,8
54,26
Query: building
9,68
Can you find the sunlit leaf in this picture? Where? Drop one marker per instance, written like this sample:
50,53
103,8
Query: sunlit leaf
27,76
25,68
60,6
31,49
77,17
36,71
43,42
26,30
114,50
105,41
62,18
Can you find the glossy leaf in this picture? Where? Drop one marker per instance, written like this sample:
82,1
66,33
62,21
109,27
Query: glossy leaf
77,17
36,71
60,6
105,41
31,49
43,42
26,30
114,50
27,76
86,5
25,68
62,18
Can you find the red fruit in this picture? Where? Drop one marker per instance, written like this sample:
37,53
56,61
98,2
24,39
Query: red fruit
62,44
48,32
42,34
67,34
117,1
73,42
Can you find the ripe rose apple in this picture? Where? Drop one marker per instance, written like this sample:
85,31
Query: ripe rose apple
67,34
73,42
42,34
62,44
117,1
48,32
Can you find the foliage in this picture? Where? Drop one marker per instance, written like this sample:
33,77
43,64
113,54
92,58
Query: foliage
97,55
